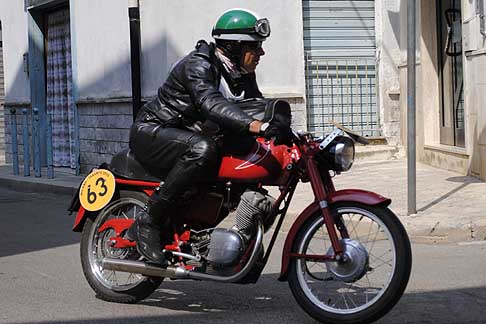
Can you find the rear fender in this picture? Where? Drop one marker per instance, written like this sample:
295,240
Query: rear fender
347,195
81,213
80,219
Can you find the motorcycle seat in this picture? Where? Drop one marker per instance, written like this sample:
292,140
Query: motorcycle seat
124,165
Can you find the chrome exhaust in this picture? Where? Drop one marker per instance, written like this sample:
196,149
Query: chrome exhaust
142,268
179,272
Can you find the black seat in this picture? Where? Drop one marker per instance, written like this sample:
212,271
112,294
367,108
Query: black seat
125,165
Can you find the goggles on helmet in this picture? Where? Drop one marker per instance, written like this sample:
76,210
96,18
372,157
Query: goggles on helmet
261,28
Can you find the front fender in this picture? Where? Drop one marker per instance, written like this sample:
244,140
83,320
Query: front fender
347,195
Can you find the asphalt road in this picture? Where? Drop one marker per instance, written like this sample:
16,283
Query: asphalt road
41,281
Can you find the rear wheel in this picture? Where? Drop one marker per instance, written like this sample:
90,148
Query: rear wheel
114,286
372,279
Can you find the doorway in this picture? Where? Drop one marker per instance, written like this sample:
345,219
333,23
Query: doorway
59,89
451,80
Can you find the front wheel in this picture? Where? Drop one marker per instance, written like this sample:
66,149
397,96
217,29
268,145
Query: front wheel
369,282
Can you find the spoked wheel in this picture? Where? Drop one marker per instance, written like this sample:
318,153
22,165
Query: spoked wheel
371,279
114,286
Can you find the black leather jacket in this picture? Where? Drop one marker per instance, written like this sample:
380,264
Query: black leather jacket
190,97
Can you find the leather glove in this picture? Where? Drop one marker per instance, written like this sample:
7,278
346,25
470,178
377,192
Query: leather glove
281,132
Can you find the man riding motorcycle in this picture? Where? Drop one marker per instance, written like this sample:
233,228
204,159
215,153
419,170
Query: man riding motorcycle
174,133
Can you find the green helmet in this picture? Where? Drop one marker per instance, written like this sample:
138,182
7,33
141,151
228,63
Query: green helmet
241,25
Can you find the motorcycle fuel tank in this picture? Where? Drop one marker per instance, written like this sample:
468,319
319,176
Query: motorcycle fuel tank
265,163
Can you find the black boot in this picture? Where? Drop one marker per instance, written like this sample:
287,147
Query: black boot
148,231
149,238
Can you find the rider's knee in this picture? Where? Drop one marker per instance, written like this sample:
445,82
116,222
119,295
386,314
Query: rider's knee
206,151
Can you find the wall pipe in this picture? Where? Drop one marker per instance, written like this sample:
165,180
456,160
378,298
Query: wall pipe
37,148
25,133
50,164
411,107
135,53
15,152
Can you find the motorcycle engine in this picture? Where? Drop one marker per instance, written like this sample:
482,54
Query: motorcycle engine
253,205
227,246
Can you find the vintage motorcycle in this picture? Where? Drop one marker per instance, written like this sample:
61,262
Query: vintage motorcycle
347,257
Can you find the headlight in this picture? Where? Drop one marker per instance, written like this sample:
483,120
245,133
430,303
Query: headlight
339,154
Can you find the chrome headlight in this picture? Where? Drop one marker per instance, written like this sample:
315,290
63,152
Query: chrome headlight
339,154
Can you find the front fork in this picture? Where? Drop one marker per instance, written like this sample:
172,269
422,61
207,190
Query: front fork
319,189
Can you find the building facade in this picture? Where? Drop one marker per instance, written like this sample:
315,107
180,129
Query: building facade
451,117
332,60
2,99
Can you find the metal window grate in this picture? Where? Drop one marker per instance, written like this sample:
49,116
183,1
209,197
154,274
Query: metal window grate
342,90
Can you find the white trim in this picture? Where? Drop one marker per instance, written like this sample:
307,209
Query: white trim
240,37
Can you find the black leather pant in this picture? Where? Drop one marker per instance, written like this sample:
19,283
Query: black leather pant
184,157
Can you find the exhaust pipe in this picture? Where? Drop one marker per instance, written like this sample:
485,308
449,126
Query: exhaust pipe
179,272
142,268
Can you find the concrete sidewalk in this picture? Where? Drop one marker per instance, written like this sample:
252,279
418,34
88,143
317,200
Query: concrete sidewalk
450,207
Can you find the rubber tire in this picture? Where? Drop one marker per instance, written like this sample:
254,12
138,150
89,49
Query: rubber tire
131,296
394,291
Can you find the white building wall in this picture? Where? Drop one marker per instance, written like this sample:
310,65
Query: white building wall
16,81
387,25
15,44
474,44
101,48
170,29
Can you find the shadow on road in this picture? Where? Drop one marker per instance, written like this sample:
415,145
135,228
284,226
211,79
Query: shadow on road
31,222
267,301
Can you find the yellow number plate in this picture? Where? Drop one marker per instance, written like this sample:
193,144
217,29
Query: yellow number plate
97,190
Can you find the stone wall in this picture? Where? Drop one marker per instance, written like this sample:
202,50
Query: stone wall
103,131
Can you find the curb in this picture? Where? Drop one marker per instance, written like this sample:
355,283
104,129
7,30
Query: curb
30,186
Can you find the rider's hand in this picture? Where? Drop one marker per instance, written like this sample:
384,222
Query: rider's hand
281,132
255,127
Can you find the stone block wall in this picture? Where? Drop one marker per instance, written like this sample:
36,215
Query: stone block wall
103,131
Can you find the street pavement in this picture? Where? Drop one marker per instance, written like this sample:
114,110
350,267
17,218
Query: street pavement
41,280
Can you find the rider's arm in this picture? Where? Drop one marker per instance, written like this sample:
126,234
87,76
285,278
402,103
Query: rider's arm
203,86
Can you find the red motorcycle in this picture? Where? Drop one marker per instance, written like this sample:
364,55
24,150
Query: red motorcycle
347,257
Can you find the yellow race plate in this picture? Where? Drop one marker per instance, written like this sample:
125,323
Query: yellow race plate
97,190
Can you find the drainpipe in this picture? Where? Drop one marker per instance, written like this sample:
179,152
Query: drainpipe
135,50
411,105
481,18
